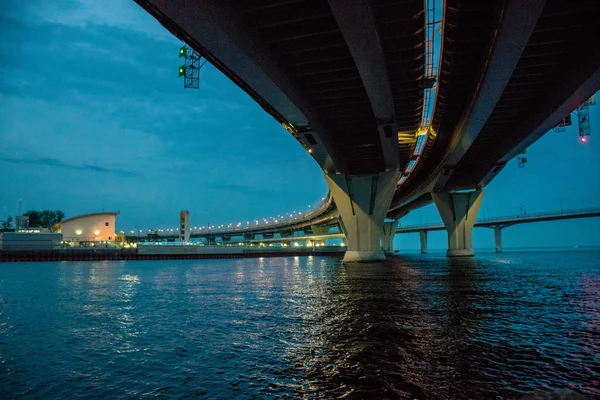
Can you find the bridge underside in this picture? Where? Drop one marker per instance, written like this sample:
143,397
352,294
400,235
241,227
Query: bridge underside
343,93
541,62
347,80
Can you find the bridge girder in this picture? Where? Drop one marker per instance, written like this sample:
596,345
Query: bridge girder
340,77
357,24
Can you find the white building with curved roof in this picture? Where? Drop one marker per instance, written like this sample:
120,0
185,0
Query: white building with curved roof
89,227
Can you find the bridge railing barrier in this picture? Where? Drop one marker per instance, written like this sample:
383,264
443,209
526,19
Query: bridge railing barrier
324,206
512,217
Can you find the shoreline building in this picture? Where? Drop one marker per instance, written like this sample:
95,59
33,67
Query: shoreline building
29,238
29,241
95,227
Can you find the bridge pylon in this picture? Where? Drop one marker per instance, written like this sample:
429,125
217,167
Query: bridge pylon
459,211
423,240
498,238
363,202
388,232
319,230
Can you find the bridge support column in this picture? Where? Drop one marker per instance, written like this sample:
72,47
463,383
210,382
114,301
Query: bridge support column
388,231
458,211
498,238
320,230
363,202
423,237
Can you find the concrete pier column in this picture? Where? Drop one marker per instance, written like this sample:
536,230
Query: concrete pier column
459,211
498,238
388,231
320,229
363,202
423,237
248,237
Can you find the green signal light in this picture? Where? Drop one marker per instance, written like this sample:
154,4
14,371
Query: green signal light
182,52
181,71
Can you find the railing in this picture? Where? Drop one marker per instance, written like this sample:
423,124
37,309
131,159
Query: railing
235,243
540,215
169,244
279,223
238,228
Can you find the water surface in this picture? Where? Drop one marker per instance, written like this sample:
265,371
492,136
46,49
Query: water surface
496,326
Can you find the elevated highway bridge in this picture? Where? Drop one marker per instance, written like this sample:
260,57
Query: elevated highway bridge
351,81
499,223
322,232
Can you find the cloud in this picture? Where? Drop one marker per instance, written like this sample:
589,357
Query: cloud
53,162
124,14
108,104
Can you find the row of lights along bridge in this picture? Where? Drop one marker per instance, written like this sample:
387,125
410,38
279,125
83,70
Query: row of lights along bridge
290,216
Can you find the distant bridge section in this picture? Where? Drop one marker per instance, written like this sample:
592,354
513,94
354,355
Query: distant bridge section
316,235
499,223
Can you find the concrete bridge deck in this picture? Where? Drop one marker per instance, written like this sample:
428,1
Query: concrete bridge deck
351,81
505,222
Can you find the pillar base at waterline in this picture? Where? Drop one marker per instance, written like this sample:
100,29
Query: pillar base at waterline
363,202
460,253
388,231
459,211
356,256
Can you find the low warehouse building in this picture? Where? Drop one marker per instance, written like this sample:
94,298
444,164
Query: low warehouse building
25,241
89,227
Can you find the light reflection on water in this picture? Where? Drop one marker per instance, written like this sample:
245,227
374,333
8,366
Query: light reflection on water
412,327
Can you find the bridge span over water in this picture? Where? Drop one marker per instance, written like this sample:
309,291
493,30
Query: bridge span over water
393,126
499,223
317,237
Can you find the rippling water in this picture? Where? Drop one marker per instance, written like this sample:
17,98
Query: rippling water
413,327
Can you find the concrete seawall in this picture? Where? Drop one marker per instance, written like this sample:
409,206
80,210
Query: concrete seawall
163,253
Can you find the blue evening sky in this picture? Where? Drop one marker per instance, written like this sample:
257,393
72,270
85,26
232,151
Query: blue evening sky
93,117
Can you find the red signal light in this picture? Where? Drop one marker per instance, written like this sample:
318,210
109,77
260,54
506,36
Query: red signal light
583,139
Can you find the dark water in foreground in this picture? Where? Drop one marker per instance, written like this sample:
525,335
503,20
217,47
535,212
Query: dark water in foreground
425,327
